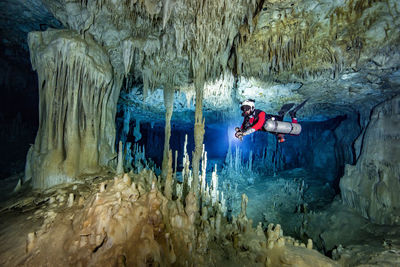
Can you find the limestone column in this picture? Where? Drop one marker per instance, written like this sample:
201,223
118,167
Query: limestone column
198,128
78,95
169,104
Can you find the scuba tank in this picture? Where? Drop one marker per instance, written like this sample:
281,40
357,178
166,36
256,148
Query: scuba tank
282,127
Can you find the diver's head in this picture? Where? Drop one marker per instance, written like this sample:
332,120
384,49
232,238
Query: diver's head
247,107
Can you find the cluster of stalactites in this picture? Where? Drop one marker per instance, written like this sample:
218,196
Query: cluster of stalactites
213,50
164,43
277,53
274,43
201,38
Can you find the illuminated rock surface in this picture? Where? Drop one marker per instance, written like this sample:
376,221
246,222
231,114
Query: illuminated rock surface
139,75
372,185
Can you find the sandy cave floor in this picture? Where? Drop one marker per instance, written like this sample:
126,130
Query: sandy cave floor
284,198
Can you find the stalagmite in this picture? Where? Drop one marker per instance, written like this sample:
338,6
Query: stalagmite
102,187
70,200
168,181
120,163
218,224
204,213
214,192
186,176
203,171
309,244
223,204
30,242
169,104
245,199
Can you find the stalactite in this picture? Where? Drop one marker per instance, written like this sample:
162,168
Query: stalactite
168,5
128,54
127,119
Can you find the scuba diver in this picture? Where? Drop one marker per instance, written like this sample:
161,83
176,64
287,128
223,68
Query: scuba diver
258,120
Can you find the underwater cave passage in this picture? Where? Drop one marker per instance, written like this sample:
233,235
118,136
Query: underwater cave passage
284,181
132,133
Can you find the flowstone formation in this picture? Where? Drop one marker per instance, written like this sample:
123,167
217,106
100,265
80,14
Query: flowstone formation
372,185
78,99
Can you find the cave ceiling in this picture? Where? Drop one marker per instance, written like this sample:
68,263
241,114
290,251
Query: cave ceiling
343,55
17,19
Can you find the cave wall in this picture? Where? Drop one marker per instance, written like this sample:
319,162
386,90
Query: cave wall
18,109
78,95
372,186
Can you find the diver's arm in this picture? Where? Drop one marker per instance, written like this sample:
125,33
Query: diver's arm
248,131
260,123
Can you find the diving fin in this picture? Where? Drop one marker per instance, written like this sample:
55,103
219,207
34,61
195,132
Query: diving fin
293,111
284,109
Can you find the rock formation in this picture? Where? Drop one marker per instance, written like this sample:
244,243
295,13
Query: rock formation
78,96
127,221
372,185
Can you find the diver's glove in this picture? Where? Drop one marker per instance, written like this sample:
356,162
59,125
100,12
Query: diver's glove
239,135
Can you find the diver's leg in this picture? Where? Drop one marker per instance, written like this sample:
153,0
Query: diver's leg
284,109
294,111
281,138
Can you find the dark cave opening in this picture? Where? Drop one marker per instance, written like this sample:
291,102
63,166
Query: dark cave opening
19,100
